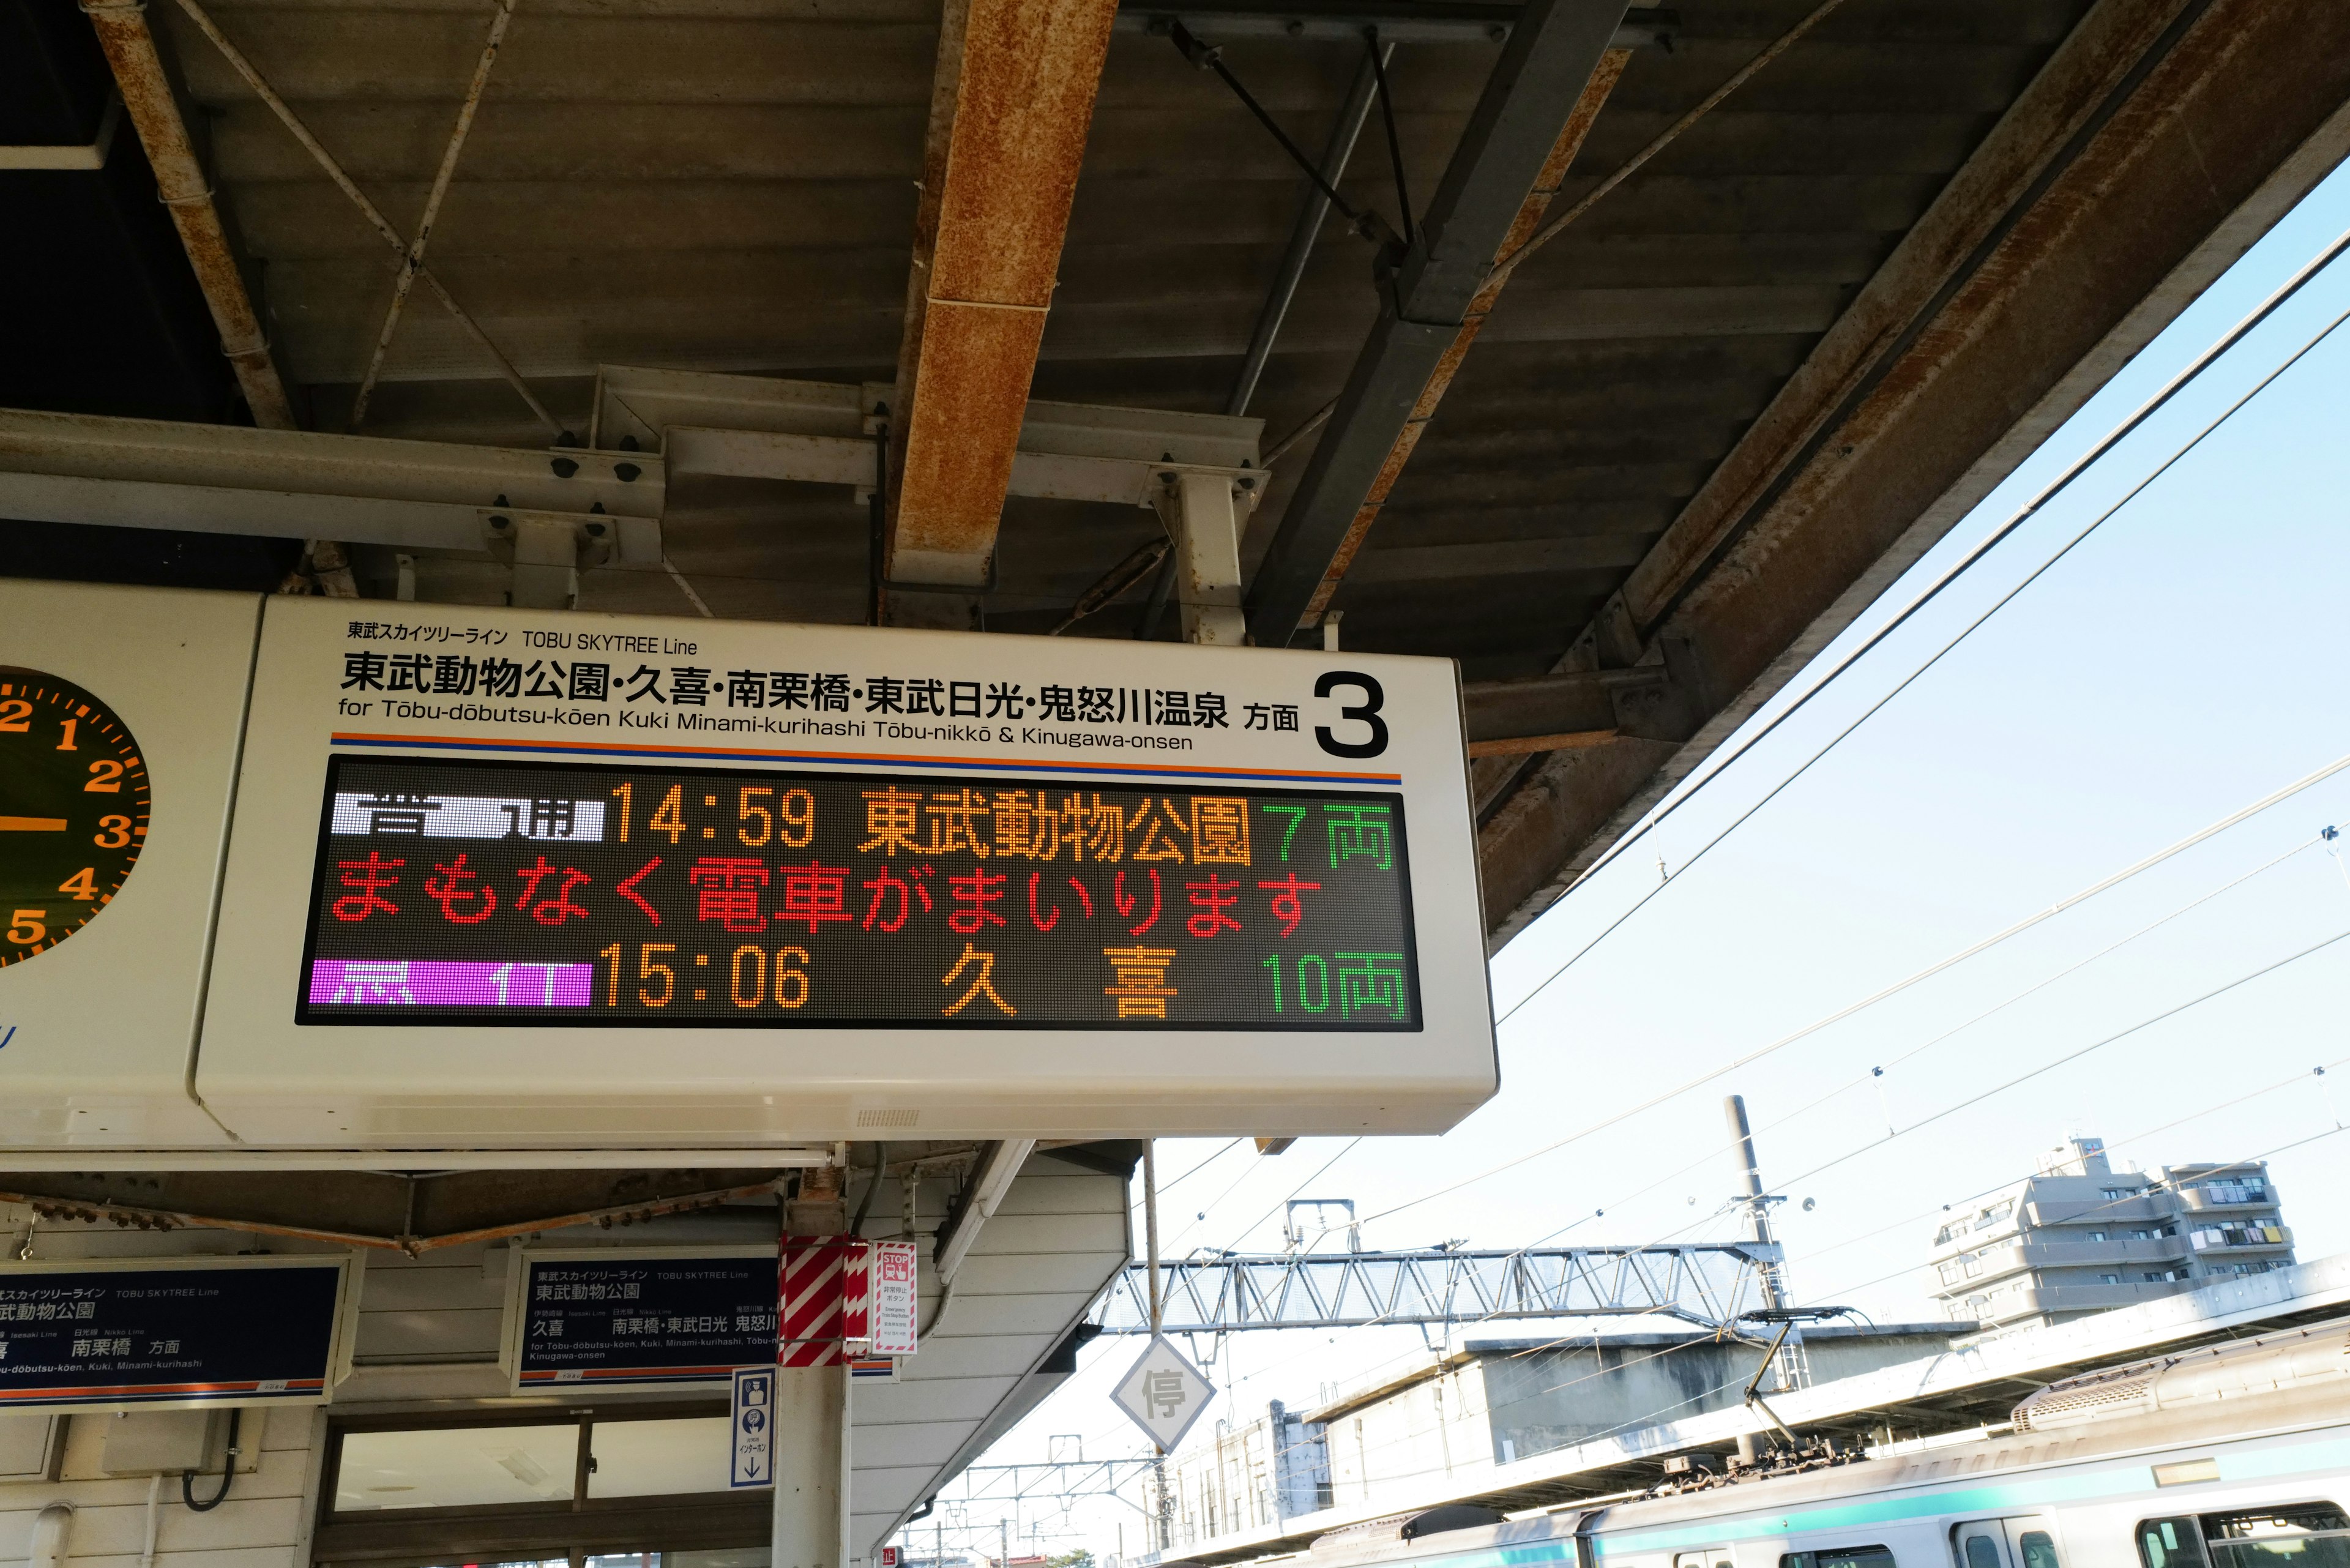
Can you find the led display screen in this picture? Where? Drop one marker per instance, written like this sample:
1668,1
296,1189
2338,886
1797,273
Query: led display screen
571,893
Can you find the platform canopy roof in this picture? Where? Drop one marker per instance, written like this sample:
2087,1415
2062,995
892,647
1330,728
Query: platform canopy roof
1630,485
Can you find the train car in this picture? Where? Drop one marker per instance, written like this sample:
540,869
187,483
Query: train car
2234,1456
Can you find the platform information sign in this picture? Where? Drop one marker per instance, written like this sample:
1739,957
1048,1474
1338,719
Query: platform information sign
98,1336
753,1409
641,1318
579,879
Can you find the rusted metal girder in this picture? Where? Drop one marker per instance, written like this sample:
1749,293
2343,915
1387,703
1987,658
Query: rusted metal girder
1545,90
1010,108
186,190
1604,76
2162,138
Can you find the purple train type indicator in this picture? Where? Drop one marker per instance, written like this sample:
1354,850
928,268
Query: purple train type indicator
404,982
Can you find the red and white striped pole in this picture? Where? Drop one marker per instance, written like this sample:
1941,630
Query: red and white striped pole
811,1520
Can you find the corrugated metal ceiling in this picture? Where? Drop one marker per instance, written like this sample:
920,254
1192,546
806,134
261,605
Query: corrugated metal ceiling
730,186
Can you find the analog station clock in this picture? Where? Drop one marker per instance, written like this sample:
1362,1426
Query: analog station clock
73,810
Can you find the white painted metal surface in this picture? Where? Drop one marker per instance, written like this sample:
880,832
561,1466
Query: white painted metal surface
1163,1393
99,1030
151,473
475,1085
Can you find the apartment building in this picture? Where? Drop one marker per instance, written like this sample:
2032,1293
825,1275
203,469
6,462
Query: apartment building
2081,1237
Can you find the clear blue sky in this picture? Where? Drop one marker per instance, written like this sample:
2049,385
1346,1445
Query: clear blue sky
2188,659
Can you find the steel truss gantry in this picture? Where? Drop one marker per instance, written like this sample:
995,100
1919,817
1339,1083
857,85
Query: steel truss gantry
1709,1284
1052,1479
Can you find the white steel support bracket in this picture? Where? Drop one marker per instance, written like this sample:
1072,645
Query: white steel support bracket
545,551
1203,509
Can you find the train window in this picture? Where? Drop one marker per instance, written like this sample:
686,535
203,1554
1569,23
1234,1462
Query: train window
1839,1557
2170,1543
1982,1551
2038,1548
2313,1535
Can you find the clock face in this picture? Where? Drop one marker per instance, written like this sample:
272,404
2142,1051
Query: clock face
73,810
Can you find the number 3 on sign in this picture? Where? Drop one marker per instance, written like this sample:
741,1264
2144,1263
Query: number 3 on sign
1366,713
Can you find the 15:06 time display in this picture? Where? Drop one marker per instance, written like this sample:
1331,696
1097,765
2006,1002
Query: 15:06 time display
748,975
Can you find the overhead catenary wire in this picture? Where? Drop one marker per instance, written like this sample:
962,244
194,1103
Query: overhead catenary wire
1875,1072
2023,515
2051,1064
2200,1112
1843,1289
2196,902
2103,886
2024,1077
2139,1137
2037,1071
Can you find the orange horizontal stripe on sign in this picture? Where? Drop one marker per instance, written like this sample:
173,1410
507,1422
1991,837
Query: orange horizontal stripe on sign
32,825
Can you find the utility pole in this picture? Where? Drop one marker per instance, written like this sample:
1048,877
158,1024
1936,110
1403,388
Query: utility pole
1003,1542
1794,1370
1151,1233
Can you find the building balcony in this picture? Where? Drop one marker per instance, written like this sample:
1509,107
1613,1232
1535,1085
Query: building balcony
2202,1201
2066,1301
1996,1264
2243,1240
2123,1212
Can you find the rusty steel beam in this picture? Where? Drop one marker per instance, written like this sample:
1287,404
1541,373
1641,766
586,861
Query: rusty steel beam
1555,73
1011,104
2162,138
185,188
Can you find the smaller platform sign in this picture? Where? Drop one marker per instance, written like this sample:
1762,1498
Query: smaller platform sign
1163,1393
641,1317
889,1285
754,1427
171,1332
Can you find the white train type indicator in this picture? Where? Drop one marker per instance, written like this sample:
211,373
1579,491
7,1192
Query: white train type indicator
2237,1457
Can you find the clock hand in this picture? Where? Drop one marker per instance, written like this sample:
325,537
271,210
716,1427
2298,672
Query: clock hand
32,825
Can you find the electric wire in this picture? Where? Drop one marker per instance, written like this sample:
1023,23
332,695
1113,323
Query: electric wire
1874,1074
2093,890
1166,1187
1923,1215
1976,1099
2070,1058
1648,1418
2110,947
2113,438
2023,515
2202,898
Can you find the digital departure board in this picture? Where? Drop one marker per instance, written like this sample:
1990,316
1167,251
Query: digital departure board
99,1335
569,894
643,1318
